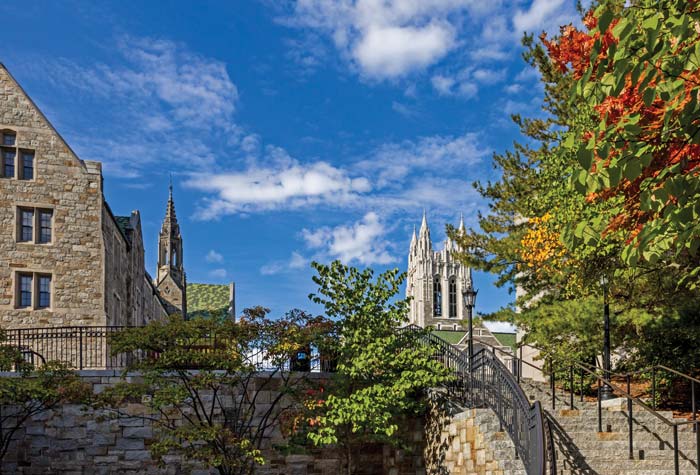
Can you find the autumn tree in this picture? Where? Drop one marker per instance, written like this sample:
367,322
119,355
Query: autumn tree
637,67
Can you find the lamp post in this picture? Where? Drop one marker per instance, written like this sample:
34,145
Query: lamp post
469,300
606,391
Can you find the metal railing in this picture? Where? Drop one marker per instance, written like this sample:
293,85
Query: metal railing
486,382
88,348
598,375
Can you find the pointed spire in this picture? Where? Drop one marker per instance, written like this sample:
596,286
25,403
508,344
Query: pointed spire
170,225
461,222
424,223
413,237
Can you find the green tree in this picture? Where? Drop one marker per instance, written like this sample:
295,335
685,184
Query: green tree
200,383
381,375
31,391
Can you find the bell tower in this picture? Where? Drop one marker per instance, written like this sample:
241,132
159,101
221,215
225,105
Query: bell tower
171,280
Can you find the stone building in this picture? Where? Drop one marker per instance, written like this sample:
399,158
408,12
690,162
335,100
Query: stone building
436,282
65,258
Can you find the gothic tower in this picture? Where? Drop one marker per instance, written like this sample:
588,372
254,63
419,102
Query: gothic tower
171,281
436,282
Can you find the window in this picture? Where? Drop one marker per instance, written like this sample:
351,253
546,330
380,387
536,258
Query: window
15,159
45,218
8,163
9,138
437,297
27,166
44,291
453,298
33,291
34,225
26,232
25,291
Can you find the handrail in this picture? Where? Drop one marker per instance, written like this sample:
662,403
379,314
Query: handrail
486,382
631,400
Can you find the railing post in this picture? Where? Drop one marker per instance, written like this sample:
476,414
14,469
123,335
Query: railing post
676,465
653,388
501,412
581,384
697,447
629,417
695,416
552,387
520,363
600,411
80,345
483,383
571,387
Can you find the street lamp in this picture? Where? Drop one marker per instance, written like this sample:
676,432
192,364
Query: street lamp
606,391
469,300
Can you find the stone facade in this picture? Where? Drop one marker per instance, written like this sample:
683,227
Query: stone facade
436,282
171,281
82,265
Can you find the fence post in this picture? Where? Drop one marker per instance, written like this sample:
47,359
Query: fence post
553,388
80,345
653,388
581,384
629,417
676,465
600,411
695,416
571,387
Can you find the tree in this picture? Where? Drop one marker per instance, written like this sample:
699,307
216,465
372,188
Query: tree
637,66
553,228
201,381
381,375
31,391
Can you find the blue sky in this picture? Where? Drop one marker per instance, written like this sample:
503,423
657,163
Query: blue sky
294,130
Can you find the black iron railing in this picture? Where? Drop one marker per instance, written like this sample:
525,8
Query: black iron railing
578,369
88,348
487,382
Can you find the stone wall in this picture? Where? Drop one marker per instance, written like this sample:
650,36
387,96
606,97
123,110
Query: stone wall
97,271
72,189
76,439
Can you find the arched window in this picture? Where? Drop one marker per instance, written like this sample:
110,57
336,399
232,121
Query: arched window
453,298
437,297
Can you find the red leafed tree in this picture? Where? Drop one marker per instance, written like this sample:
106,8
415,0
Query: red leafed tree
637,66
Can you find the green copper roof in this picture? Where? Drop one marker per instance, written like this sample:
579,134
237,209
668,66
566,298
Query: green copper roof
506,339
451,337
207,300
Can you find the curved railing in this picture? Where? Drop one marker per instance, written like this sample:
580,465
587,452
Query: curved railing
599,376
486,382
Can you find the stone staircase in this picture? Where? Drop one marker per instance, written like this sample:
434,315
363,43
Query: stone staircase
581,449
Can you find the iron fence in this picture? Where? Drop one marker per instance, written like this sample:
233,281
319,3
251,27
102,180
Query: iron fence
89,348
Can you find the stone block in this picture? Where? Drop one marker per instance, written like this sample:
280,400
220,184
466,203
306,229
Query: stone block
142,455
143,432
129,444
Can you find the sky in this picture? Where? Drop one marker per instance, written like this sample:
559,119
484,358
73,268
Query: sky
294,130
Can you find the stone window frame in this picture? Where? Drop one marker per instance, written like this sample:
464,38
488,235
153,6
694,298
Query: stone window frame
37,210
452,297
20,152
437,296
35,276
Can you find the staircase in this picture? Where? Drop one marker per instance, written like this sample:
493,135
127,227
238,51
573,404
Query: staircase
581,449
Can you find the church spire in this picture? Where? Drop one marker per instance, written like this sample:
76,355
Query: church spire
171,279
414,239
461,227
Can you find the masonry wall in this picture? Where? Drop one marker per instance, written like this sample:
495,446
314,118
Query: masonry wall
72,189
75,439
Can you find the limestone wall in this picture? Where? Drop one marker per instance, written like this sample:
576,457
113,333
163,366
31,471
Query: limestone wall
72,189
74,439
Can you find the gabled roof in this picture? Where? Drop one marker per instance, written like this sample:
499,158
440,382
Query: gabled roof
208,300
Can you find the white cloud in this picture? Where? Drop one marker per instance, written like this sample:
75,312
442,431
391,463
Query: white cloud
214,257
544,15
396,176
403,109
285,184
362,242
157,96
295,262
386,39
218,273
